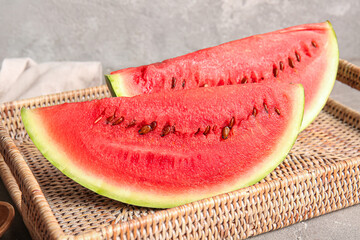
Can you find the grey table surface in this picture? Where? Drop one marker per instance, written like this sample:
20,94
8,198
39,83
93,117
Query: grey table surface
341,224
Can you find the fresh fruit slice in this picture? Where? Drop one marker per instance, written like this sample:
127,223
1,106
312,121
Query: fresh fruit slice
167,149
306,54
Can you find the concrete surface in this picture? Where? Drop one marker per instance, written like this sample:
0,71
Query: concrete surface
130,33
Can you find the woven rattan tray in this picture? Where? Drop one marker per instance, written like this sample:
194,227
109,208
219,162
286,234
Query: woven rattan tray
321,174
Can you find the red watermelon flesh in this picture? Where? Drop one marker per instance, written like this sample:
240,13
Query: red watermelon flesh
167,149
306,54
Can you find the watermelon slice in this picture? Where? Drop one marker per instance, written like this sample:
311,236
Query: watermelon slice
306,54
166,149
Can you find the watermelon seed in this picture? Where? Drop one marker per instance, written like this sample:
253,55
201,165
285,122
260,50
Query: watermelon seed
314,44
98,119
118,121
253,77
275,71
207,130
254,113
204,85
183,83
281,66
145,129
173,83
131,124
225,132
197,132
266,108
277,111
153,125
109,119
214,128
291,62
298,57
232,122
244,80
165,131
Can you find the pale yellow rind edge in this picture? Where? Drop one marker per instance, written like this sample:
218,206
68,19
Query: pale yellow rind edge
327,82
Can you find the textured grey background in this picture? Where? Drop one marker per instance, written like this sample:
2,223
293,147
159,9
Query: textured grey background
131,33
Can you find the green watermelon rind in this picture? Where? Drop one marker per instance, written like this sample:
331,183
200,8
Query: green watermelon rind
53,152
116,86
327,83
112,83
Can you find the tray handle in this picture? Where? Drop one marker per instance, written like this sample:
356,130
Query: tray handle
349,74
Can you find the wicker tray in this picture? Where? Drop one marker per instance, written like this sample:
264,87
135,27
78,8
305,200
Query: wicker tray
320,174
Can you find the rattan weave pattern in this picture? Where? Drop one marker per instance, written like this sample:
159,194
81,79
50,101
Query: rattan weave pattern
321,174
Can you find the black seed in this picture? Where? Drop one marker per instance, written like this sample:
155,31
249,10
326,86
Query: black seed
277,111
214,128
314,44
254,112
244,80
98,119
266,108
197,132
131,124
118,121
225,132
232,122
207,130
165,131
153,125
275,71
291,62
298,57
183,83
145,129
111,118
281,66
173,82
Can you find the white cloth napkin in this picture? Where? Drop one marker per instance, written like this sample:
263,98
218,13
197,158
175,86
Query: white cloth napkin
22,78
